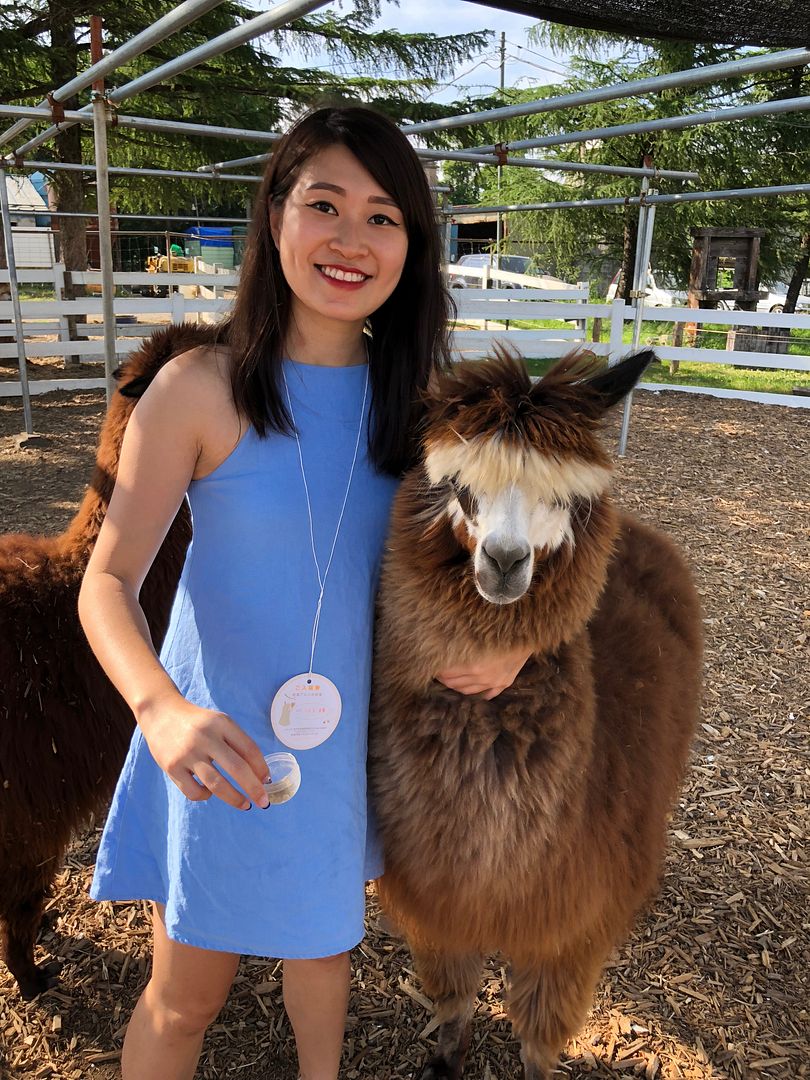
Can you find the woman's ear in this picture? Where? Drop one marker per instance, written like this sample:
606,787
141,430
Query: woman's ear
274,213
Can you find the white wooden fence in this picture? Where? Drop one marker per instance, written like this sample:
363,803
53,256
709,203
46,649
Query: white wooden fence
484,317
200,296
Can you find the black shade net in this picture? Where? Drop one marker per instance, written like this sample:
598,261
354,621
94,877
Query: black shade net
770,23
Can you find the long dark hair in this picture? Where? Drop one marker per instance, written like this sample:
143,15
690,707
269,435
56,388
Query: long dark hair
409,333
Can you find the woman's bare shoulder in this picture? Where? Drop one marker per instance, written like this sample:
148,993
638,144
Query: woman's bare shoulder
197,384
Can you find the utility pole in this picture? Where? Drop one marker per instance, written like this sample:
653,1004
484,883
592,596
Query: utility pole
499,226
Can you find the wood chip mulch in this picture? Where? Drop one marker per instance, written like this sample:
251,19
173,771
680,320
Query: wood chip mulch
715,981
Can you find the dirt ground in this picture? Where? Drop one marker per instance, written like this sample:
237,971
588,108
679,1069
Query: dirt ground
715,981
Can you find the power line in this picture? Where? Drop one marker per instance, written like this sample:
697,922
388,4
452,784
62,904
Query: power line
534,52
486,62
530,63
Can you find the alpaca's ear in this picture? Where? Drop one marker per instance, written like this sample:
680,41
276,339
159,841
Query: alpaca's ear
616,382
135,387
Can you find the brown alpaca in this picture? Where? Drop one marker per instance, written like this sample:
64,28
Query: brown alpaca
533,824
64,729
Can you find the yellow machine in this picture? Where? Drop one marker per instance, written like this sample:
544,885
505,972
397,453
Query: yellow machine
177,264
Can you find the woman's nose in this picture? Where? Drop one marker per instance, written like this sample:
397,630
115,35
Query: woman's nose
348,239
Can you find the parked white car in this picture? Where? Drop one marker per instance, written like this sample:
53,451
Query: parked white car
777,296
659,292
512,264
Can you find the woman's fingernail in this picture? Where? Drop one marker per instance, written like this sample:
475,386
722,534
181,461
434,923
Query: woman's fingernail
264,802
245,806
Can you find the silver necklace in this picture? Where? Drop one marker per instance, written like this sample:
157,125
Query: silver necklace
306,709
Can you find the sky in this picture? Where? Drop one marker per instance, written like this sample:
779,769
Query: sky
525,64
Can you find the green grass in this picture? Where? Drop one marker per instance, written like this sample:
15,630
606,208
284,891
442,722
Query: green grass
37,292
722,375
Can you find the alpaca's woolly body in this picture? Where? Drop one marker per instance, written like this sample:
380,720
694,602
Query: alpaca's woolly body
64,729
533,824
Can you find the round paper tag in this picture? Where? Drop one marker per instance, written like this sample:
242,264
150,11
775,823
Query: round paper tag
305,711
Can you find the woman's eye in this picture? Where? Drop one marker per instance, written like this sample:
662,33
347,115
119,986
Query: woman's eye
323,206
382,219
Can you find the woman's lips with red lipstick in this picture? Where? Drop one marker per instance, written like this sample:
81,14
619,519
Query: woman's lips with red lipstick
343,277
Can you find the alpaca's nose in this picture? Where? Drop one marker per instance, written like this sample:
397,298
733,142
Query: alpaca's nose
506,558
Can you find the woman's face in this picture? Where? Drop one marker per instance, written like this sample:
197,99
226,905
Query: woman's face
341,240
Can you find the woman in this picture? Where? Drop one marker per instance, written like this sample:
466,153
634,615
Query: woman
288,437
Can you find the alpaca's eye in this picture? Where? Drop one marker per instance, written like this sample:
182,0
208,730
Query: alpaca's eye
464,497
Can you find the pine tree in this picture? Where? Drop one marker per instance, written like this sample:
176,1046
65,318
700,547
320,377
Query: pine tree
44,43
765,151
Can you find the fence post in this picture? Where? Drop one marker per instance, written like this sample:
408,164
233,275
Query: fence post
60,291
616,347
583,323
178,302
677,342
14,287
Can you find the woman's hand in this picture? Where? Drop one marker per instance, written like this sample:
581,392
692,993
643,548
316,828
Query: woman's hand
489,676
185,740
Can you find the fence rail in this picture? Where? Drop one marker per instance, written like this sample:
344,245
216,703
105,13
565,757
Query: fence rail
207,294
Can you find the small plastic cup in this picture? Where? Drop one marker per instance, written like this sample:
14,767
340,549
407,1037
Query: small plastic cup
285,777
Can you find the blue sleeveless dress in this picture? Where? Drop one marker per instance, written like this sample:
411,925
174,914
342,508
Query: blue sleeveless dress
287,881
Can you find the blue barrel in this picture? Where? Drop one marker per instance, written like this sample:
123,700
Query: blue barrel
212,235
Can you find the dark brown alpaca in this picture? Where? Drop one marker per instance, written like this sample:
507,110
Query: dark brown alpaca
64,729
533,824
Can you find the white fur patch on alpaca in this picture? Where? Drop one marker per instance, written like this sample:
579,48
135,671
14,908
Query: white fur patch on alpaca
510,519
487,466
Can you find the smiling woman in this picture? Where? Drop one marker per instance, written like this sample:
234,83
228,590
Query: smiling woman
287,434
346,195
342,255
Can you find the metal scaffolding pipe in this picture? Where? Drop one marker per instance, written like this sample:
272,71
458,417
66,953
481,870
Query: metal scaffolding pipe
635,200
122,170
666,123
731,193
262,24
563,204
141,123
551,165
14,288
235,163
100,113
488,159
145,217
690,77
207,131
640,275
162,28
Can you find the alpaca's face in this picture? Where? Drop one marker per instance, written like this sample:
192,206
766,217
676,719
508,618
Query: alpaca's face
519,462
511,505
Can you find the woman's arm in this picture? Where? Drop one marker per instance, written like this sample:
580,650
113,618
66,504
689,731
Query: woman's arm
161,447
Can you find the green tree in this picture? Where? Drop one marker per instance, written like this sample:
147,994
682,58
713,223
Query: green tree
769,150
44,43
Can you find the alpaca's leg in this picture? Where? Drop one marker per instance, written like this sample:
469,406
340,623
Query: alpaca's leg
452,981
547,1003
23,902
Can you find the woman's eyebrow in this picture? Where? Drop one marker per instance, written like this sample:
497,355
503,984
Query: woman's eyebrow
325,186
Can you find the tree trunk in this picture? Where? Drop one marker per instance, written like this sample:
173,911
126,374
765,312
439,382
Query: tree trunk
628,252
777,339
68,186
799,274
